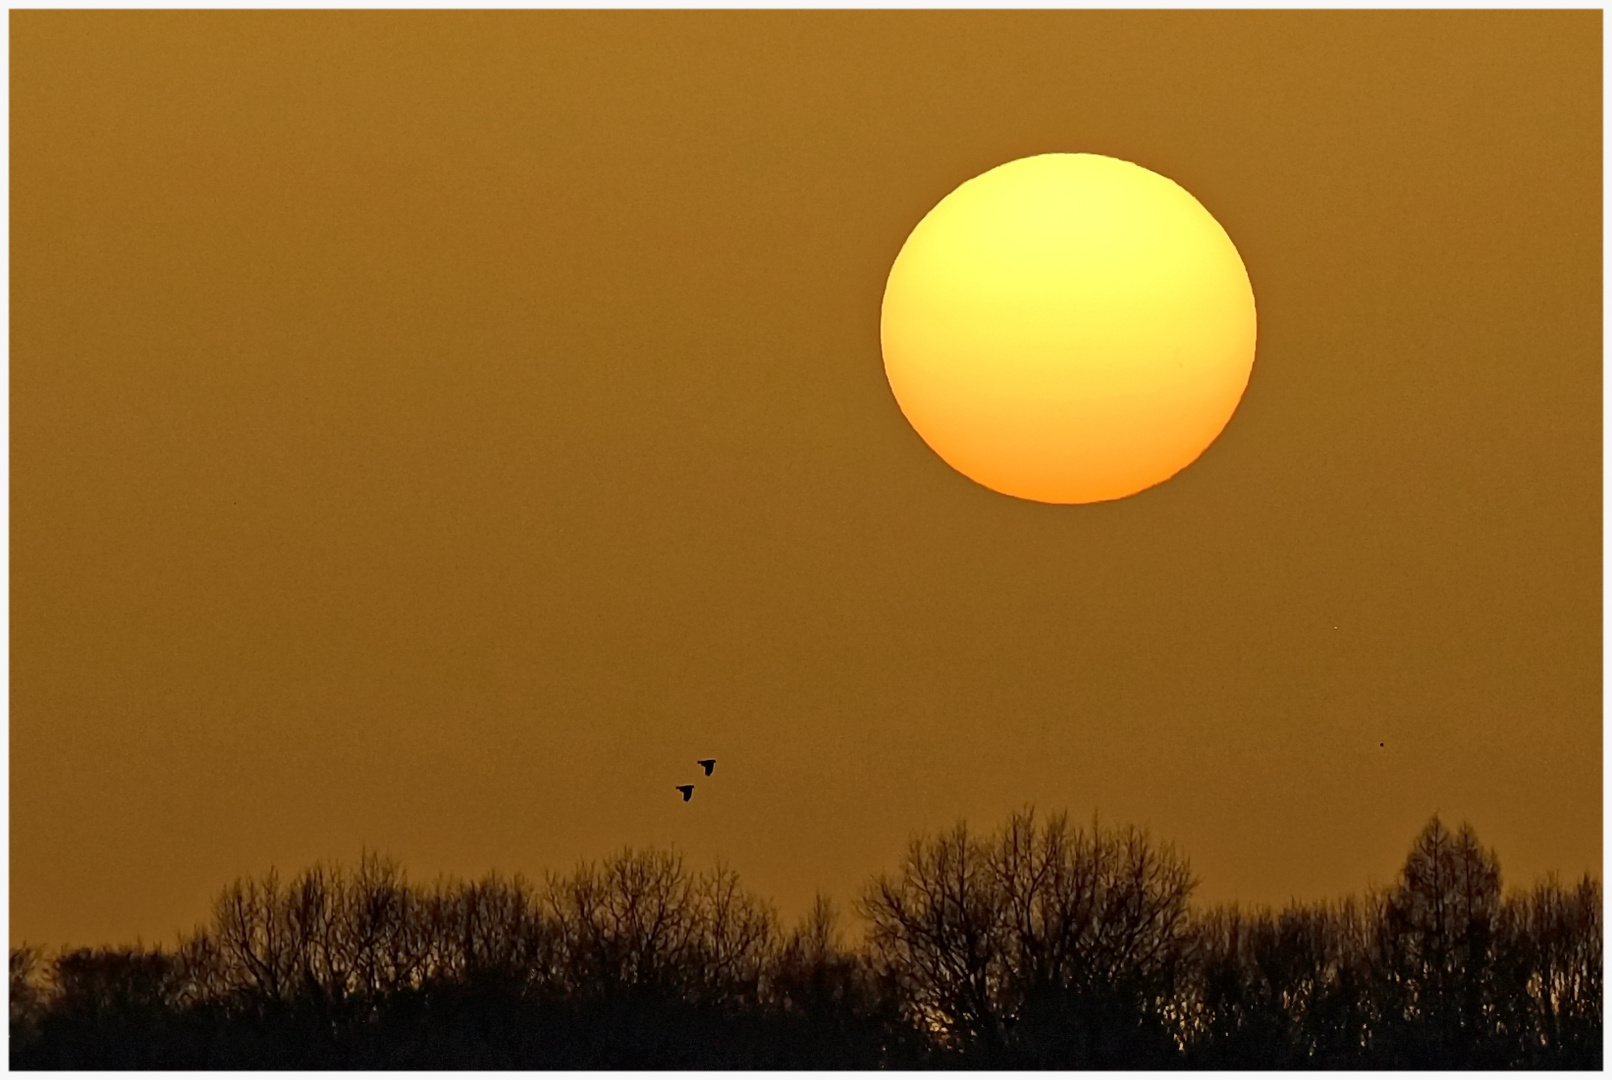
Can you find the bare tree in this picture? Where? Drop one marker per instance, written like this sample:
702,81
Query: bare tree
254,939
326,937
628,924
489,931
1097,937
1438,945
1037,945
120,982
1288,989
736,937
815,971
379,930
27,998
1038,929
938,931
1551,938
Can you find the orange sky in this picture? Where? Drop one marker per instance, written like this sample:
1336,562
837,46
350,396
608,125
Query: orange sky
432,432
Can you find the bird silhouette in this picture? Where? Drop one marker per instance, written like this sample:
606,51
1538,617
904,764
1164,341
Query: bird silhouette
687,790
709,763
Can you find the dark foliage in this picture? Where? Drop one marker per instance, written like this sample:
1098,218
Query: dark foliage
1038,946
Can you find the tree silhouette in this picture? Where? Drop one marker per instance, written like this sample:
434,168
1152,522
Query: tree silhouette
27,1000
1287,989
1438,940
1037,945
1551,959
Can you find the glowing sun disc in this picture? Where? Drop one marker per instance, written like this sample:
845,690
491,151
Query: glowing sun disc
1068,328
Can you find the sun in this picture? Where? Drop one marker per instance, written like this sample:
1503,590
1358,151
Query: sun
1068,328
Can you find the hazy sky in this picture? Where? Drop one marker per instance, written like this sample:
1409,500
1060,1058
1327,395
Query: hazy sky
432,432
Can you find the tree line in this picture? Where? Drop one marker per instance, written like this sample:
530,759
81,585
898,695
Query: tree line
1039,945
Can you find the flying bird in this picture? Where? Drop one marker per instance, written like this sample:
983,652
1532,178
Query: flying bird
709,763
687,790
